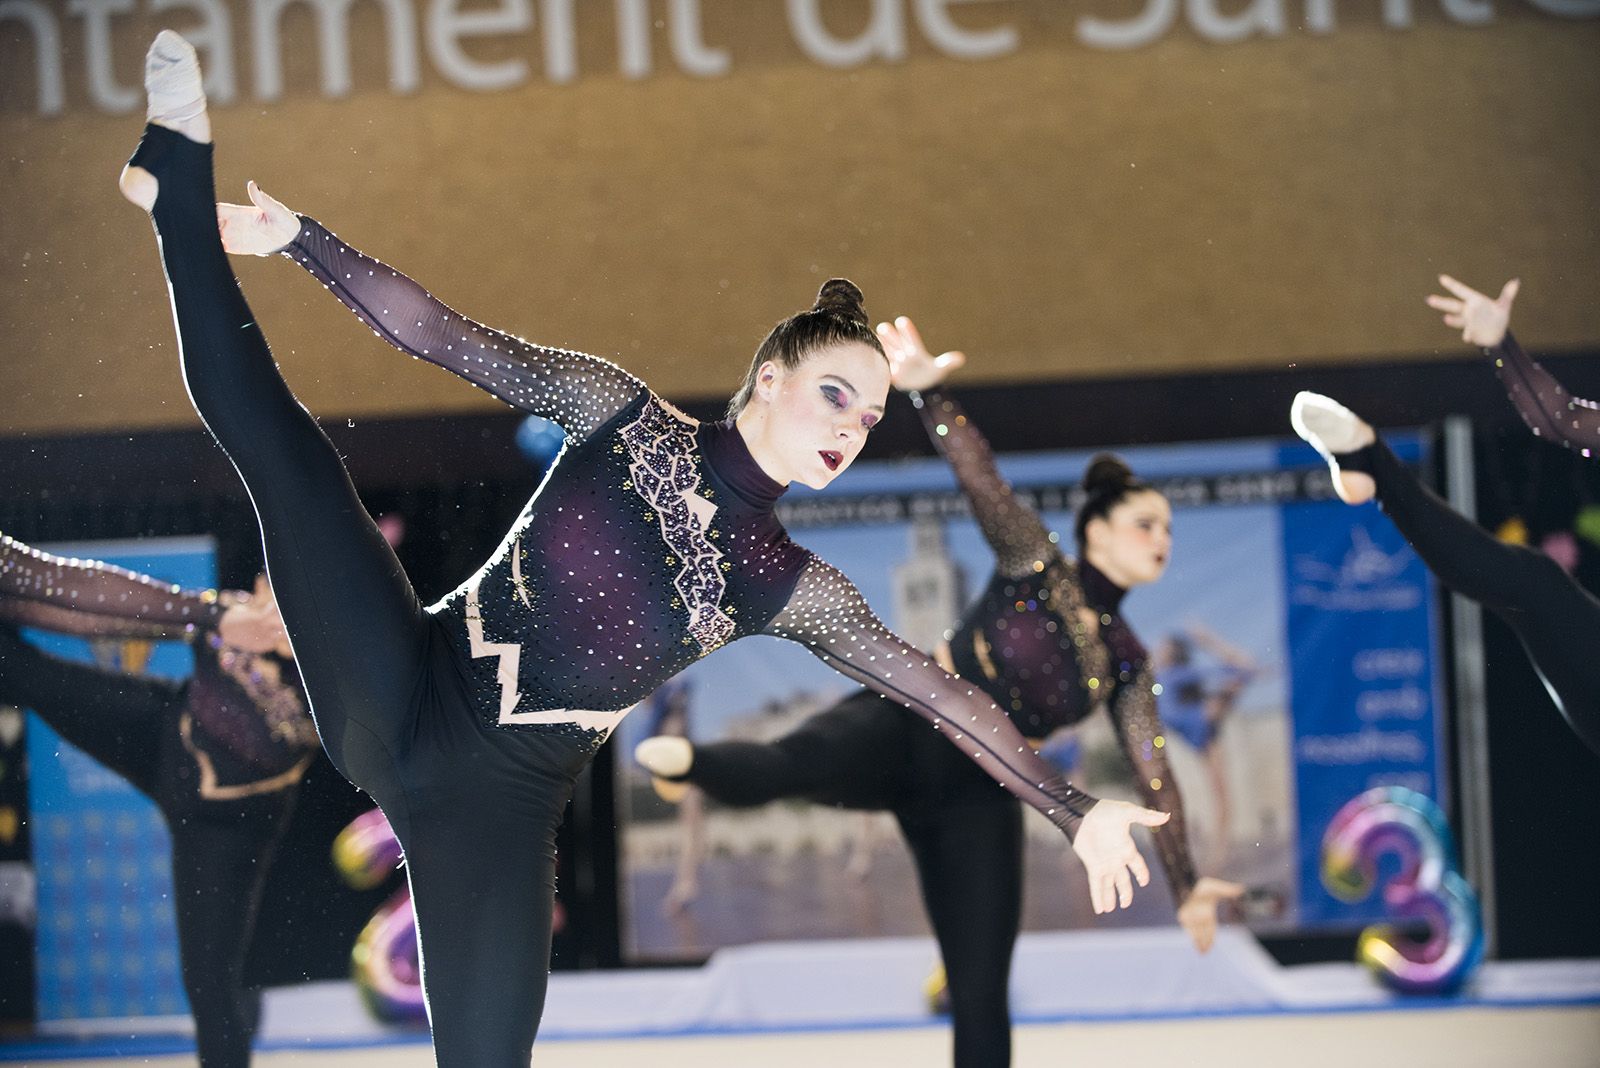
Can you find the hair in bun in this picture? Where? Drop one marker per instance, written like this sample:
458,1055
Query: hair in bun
839,316
1106,472
842,297
1107,483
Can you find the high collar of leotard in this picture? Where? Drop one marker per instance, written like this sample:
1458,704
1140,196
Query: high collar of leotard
730,461
1099,592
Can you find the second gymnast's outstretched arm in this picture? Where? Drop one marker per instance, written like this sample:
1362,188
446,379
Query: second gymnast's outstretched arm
1544,403
827,614
1015,532
93,599
576,391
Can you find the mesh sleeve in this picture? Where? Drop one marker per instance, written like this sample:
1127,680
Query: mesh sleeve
1143,740
828,615
92,599
1018,536
1544,404
576,391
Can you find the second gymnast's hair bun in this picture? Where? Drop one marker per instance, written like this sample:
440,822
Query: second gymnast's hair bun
1107,474
842,297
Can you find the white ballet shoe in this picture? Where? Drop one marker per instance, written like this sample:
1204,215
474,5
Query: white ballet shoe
175,99
666,755
1332,429
172,81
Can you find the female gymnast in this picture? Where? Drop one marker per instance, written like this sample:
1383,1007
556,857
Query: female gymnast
222,754
651,543
1557,620
1046,640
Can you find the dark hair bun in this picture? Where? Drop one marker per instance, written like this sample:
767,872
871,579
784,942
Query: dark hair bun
841,297
1107,474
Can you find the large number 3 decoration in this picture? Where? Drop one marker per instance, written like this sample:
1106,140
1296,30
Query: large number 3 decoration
384,961
1428,891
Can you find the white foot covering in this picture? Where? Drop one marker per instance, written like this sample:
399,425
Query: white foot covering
665,755
1328,426
172,80
1332,429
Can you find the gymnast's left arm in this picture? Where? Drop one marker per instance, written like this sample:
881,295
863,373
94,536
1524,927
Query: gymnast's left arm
827,614
1143,741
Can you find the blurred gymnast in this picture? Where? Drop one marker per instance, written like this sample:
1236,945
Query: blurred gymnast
651,543
1557,620
1046,640
223,755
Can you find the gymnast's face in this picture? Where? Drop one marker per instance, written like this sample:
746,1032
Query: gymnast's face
817,415
1133,542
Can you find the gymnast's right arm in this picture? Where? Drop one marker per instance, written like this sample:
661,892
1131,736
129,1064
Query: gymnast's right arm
94,599
576,391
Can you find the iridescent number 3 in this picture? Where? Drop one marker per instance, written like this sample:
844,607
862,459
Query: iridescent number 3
1429,892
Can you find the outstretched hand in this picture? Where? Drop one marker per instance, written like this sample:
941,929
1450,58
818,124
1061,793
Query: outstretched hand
1481,321
253,624
262,228
1106,848
1198,913
911,365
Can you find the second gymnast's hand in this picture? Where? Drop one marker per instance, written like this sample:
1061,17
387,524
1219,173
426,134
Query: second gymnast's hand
1106,848
253,623
262,228
911,365
1198,913
1481,321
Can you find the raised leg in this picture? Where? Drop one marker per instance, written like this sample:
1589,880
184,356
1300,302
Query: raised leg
357,627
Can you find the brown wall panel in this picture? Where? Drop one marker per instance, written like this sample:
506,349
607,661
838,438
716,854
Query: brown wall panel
1060,212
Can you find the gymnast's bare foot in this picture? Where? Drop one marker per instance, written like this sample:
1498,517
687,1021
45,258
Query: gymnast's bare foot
176,100
1334,430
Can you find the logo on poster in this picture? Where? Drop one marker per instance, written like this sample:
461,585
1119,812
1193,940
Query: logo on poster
1367,579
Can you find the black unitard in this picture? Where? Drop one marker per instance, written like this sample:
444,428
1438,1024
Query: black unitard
221,754
1544,404
651,542
1046,640
1557,620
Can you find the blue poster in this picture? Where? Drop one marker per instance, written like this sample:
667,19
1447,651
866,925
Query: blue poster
1364,674
107,938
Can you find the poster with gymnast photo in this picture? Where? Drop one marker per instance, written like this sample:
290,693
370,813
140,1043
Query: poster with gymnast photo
1296,646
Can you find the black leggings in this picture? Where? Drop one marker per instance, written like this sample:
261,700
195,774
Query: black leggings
476,809
964,830
221,850
1557,620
